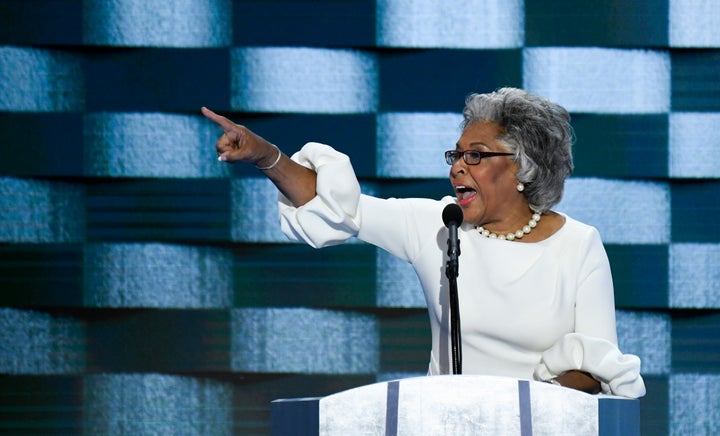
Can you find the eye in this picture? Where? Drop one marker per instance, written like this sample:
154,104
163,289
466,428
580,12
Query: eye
451,156
473,157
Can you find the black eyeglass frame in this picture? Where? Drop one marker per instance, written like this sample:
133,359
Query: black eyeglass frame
453,155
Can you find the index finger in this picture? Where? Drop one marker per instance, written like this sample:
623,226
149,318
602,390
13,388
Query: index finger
220,120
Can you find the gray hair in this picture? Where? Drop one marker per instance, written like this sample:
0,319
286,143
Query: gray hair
537,131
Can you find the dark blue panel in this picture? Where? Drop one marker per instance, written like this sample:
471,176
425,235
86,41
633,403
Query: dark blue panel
157,79
158,340
695,80
299,417
640,275
44,405
41,22
694,205
404,340
696,342
353,135
158,210
431,188
439,80
254,394
654,406
339,276
618,417
593,23
41,144
621,146
41,275
304,22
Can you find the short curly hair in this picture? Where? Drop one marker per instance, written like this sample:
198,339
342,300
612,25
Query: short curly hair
539,134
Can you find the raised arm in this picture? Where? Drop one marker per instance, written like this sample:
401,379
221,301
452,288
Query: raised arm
238,143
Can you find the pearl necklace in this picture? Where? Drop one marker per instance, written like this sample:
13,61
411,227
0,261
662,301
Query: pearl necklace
527,228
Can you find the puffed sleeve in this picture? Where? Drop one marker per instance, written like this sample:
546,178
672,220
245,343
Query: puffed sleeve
618,374
332,216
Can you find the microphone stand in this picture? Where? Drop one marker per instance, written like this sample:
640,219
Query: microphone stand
451,272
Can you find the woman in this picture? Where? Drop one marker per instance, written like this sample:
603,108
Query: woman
535,289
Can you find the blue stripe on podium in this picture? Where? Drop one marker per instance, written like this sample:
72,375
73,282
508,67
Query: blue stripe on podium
525,409
391,411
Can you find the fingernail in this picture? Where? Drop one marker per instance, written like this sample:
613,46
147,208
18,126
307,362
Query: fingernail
222,158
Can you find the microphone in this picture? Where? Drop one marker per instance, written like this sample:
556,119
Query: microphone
452,216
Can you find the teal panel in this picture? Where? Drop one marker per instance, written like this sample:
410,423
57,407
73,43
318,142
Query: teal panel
350,22
54,22
640,275
439,80
158,210
126,340
41,275
696,341
593,23
620,146
694,204
41,405
695,80
405,341
300,276
398,188
353,135
158,80
654,406
253,394
55,147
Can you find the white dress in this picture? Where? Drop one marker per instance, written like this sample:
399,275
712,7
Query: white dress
527,310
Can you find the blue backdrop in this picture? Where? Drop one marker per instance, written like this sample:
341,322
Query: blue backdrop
146,288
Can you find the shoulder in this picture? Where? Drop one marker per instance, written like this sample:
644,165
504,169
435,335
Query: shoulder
579,229
581,239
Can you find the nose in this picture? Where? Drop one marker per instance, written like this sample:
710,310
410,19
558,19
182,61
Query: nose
458,167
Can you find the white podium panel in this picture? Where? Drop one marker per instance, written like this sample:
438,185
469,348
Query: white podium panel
457,405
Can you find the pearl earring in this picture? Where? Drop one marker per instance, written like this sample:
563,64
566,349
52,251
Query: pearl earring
520,187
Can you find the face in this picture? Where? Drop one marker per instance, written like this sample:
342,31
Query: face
487,192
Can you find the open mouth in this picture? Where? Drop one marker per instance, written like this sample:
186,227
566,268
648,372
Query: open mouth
464,194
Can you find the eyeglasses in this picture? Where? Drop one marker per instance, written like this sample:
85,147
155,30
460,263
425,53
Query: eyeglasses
471,157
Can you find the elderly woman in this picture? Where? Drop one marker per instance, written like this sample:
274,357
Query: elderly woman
535,288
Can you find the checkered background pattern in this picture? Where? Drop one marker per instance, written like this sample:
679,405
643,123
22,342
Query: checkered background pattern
145,288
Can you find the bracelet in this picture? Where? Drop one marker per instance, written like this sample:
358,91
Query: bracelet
274,163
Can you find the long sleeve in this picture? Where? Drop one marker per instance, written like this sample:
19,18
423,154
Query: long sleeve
332,216
618,373
592,347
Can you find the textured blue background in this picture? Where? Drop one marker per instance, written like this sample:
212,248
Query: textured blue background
145,288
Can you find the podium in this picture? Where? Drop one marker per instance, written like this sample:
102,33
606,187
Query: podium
457,405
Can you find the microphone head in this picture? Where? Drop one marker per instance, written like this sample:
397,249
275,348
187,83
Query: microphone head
452,214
